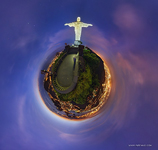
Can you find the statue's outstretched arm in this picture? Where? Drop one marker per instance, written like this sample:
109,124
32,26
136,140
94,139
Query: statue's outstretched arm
69,24
86,25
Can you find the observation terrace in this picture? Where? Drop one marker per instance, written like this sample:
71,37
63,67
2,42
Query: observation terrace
65,71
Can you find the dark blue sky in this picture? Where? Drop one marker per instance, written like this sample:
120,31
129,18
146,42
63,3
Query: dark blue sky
124,34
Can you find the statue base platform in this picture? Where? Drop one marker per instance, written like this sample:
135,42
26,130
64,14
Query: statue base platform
77,43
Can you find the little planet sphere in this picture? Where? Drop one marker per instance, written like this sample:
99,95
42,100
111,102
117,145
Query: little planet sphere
77,80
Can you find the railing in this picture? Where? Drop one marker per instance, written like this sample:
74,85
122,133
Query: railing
59,86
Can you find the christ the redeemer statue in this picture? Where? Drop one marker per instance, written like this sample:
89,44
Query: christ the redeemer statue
78,27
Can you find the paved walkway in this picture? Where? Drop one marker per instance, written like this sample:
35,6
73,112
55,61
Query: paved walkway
65,72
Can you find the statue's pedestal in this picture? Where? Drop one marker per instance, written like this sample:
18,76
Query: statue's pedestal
77,43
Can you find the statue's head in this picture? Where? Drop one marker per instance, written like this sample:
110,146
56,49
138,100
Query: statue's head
78,19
